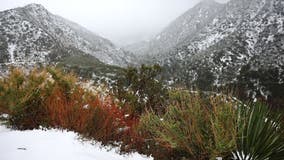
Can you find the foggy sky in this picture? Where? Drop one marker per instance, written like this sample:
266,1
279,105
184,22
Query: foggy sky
121,21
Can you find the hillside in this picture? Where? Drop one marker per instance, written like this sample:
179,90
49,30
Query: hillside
31,34
240,43
184,27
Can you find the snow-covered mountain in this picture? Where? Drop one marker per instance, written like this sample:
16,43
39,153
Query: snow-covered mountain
180,30
31,34
240,42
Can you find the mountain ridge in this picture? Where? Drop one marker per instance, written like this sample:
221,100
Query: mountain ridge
242,44
32,29
180,29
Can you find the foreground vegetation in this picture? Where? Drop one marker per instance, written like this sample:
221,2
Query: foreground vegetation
141,114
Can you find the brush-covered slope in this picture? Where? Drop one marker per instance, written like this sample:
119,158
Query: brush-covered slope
237,43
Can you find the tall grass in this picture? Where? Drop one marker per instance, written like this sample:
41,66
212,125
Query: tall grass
195,127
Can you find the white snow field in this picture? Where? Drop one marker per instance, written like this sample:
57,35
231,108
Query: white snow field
54,145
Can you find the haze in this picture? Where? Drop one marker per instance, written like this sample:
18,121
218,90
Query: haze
122,21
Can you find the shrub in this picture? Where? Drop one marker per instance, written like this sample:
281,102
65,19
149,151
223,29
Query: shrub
140,89
105,122
29,114
261,135
10,91
51,98
137,139
65,101
195,128
33,98
21,97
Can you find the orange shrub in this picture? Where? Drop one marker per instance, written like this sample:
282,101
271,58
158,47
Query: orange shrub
106,121
51,98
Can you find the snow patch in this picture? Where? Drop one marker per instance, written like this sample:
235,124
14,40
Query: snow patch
158,37
54,145
4,116
213,38
11,49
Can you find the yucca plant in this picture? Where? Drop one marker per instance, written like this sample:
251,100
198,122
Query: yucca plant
260,134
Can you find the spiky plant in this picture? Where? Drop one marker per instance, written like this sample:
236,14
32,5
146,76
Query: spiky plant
260,134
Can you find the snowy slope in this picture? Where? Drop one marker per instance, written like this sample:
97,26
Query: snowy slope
183,28
53,145
244,33
32,34
241,43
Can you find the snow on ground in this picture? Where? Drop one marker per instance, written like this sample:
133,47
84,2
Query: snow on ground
53,145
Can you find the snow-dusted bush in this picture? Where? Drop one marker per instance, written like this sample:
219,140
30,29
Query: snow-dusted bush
140,89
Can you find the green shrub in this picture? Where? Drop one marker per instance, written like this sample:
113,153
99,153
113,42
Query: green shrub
195,127
261,135
141,89
29,114
21,97
11,90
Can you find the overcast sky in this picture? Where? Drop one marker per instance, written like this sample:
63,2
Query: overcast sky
122,21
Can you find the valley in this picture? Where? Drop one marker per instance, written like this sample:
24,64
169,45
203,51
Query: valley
209,85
